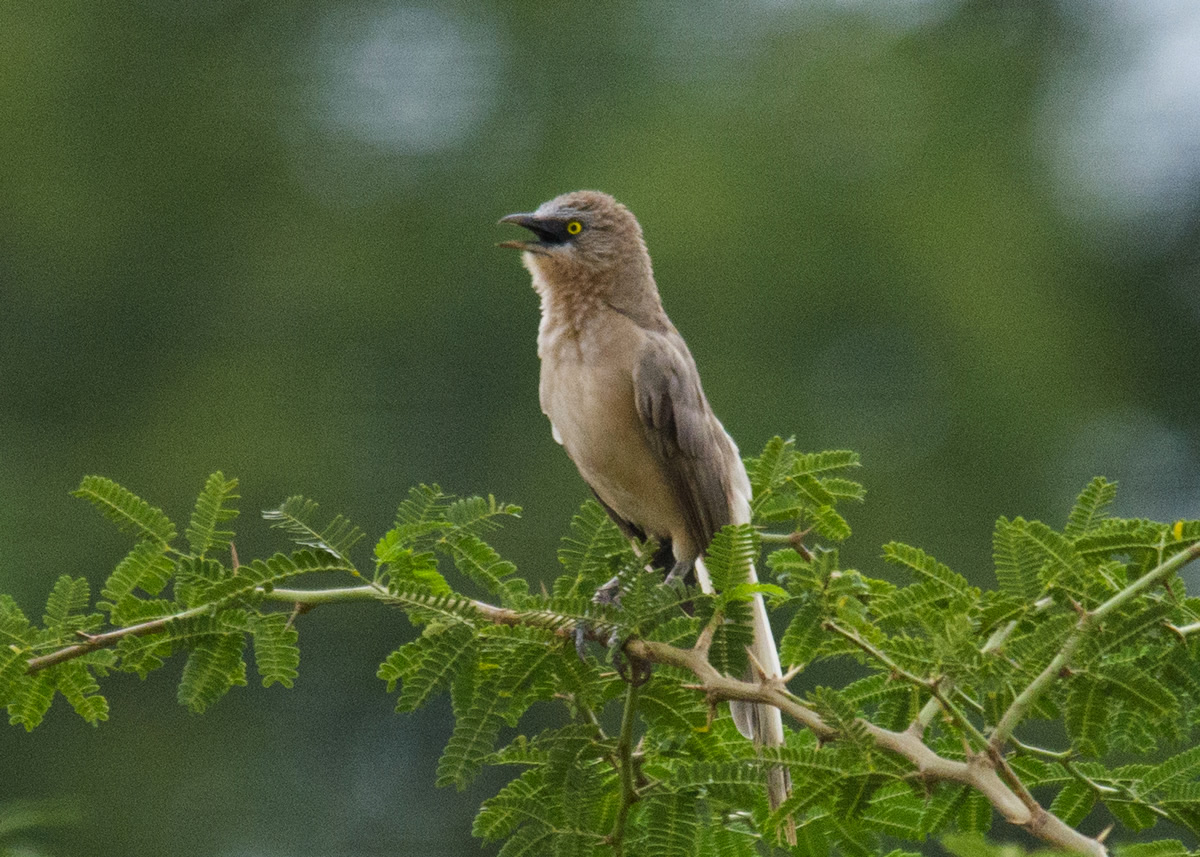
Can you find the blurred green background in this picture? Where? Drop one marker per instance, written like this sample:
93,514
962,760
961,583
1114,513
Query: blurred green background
958,237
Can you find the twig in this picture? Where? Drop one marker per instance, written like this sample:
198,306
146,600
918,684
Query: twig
110,638
931,685
629,794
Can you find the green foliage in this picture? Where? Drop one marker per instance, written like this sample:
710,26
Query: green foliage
1091,625
211,510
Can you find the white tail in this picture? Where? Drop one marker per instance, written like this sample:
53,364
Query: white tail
762,724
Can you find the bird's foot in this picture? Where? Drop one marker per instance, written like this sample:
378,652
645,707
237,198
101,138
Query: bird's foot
634,671
609,593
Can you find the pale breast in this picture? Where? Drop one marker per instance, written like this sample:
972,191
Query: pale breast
587,392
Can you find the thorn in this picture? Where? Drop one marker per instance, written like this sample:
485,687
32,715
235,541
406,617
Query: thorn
233,557
91,638
792,672
796,539
299,610
1103,834
763,675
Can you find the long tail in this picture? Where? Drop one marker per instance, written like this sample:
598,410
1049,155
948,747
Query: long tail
762,724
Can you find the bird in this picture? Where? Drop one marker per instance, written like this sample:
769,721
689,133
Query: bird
624,399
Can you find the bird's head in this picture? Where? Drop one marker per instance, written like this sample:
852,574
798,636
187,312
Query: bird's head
583,233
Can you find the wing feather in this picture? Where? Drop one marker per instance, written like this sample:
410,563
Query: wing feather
684,435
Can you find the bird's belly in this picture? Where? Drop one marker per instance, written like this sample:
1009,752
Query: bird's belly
594,417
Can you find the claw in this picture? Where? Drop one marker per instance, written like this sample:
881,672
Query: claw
633,671
609,593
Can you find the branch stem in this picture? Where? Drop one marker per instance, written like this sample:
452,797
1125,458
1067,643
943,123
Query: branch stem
625,757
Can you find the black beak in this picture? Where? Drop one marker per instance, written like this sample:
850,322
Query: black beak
542,229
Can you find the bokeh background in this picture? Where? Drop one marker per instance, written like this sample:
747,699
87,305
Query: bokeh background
958,236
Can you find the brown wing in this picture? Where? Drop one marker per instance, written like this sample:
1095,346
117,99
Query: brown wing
683,433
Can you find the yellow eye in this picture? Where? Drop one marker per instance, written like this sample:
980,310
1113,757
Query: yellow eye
574,227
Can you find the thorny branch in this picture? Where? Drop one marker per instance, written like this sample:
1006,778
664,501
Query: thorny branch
1011,799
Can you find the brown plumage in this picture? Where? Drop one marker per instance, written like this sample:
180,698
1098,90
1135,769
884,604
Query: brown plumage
624,399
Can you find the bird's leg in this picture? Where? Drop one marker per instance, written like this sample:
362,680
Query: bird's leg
680,571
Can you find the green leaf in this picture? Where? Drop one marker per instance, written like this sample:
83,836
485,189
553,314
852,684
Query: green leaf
1087,715
672,708
1017,561
276,654
1058,555
1182,766
522,800
478,514
896,811
79,687
477,559
772,467
407,566
594,546
730,555
975,813
940,809
1141,690
29,704
262,574
1116,537
213,667
474,736
69,595
671,825
529,841
428,664
803,636
128,511
1073,802
724,841
424,512
15,642
295,516
1091,507
146,567
812,463
926,567
1132,815
212,510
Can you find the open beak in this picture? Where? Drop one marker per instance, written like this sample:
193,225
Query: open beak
534,225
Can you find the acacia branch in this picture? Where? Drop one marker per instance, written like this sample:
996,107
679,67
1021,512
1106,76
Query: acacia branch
979,771
92,642
1087,618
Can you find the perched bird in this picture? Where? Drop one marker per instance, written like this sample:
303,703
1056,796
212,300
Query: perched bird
624,399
